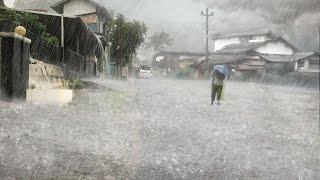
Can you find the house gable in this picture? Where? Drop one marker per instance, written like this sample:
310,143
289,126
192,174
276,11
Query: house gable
221,43
275,47
78,7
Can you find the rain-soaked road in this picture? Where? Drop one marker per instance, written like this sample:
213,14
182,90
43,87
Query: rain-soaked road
165,129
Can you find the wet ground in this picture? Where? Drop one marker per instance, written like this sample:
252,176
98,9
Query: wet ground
165,129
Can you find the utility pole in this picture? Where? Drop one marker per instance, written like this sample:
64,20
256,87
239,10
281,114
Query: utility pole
62,37
120,32
207,15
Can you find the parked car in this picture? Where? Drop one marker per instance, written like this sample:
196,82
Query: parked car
145,71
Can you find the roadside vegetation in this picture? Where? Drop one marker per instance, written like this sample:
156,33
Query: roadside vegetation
9,19
125,37
281,75
183,74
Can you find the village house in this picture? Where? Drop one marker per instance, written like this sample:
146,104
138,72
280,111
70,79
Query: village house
96,14
306,62
38,6
222,40
260,55
172,61
258,52
76,42
92,12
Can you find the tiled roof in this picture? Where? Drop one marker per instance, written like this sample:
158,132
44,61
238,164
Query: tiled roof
242,34
225,59
245,48
301,55
276,57
242,48
101,3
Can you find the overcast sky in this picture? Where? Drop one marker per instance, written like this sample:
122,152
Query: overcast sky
295,20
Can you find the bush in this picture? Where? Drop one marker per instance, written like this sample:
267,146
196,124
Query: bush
302,79
77,84
183,74
9,19
291,78
285,69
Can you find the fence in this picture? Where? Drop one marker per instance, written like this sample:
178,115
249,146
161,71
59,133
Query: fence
42,50
73,63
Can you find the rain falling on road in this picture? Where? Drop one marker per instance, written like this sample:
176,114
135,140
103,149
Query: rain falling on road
118,89
165,129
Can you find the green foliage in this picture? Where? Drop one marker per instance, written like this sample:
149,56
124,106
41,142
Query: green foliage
158,41
77,84
29,21
50,39
33,86
183,73
136,60
291,78
126,38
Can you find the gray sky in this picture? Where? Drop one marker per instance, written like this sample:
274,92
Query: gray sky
295,20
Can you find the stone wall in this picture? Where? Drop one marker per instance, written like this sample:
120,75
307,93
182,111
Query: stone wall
46,76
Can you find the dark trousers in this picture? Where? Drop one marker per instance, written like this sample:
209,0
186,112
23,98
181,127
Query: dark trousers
216,90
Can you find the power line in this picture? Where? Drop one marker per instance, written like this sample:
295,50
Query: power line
243,5
207,23
237,8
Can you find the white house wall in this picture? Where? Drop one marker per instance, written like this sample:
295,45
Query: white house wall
275,48
220,43
259,39
78,7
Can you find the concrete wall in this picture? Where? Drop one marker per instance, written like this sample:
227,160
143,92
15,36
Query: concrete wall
46,76
50,96
78,7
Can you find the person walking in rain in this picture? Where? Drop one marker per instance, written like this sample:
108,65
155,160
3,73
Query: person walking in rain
219,74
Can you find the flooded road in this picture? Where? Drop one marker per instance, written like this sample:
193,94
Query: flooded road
165,129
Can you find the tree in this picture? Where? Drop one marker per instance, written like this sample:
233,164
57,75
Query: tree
158,41
125,38
10,19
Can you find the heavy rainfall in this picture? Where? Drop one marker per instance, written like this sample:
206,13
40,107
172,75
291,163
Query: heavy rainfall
150,89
